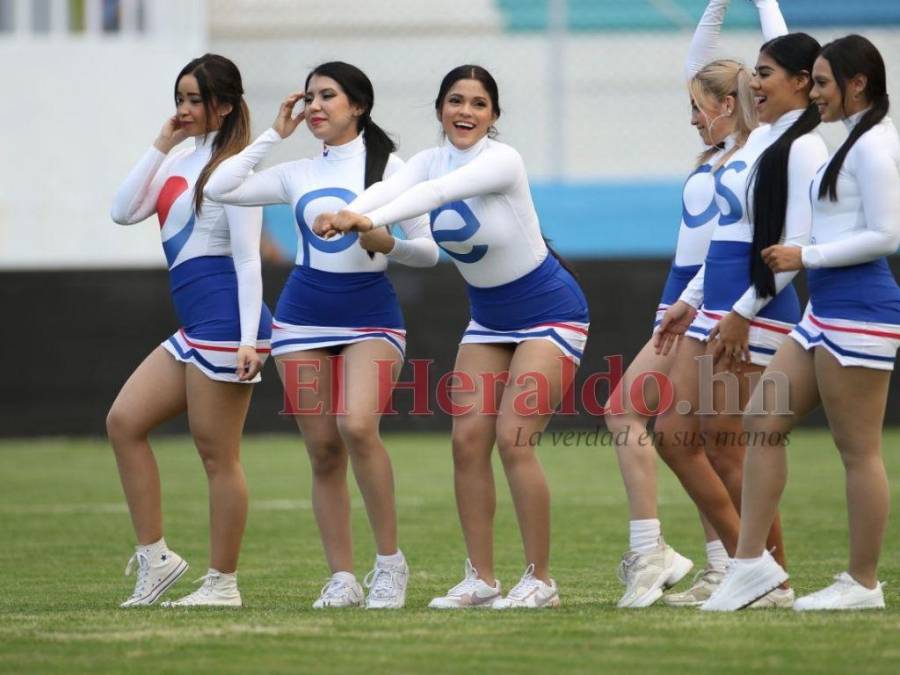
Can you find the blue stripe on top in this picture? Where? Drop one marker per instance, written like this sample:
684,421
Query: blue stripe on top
547,293
205,295
313,297
678,279
727,277
866,292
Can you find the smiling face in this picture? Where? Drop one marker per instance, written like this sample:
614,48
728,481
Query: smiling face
776,90
330,115
190,109
826,93
467,113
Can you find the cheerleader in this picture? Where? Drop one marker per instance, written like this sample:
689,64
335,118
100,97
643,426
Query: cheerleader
841,354
206,367
338,302
734,309
528,316
724,114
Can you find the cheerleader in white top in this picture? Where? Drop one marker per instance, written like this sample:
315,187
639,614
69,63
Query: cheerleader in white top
723,111
842,352
205,368
528,316
338,322
734,303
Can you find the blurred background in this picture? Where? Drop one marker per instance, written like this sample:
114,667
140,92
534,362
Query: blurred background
593,97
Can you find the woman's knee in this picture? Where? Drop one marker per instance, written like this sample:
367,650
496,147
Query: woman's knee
327,456
121,426
358,432
471,447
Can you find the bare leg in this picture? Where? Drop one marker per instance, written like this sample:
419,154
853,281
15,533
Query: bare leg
154,393
854,400
327,454
216,413
473,437
789,384
534,365
637,461
359,430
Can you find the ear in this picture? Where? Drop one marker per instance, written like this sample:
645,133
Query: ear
729,104
224,109
357,110
802,80
857,85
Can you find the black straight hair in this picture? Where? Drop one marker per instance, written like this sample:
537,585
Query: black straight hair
795,53
848,57
220,83
358,88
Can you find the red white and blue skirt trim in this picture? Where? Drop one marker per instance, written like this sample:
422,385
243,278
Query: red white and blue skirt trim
288,338
853,343
216,359
569,336
766,335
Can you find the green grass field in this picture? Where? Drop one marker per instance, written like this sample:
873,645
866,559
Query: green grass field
67,536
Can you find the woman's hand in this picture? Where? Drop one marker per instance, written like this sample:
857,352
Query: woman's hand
674,324
782,258
171,134
248,363
377,240
286,122
329,225
730,341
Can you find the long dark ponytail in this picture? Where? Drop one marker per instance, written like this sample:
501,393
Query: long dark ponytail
220,84
358,88
796,53
850,56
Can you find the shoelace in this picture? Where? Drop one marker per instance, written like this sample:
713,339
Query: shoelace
707,572
143,569
208,582
332,589
469,583
380,581
526,584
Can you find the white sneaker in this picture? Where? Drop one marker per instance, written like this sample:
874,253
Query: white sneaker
779,598
844,593
155,575
342,590
645,575
744,583
387,586
470,592
218,590
705,582
530,593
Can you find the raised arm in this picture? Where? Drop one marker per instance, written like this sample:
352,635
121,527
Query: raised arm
135,200
495,170
234,183
705,43
878,177
771,19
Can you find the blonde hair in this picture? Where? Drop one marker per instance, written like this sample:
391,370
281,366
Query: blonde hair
715,81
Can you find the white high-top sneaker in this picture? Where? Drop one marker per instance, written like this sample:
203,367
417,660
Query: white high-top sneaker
530,593
470,592
845,593
645,575
218,590
342,590
387,586
157,570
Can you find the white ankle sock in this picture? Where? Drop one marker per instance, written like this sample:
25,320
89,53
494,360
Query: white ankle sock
716,555
392,560
346,577
748,561
644,534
